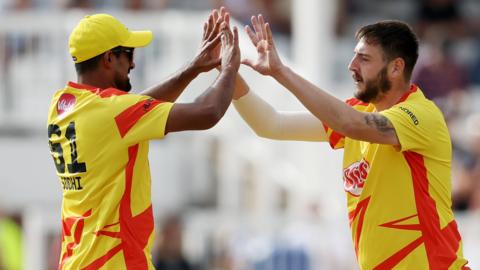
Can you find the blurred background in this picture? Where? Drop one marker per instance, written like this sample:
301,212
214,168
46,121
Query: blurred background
226,199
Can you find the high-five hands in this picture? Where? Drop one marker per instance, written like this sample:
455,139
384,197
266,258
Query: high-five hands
268,62
219,47
208,55
230,51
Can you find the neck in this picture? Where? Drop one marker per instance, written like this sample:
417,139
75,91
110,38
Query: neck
96,79
387,100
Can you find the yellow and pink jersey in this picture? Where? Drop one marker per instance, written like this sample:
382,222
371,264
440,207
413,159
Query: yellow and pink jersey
399,200
99,141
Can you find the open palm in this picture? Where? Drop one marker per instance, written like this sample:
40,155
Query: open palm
208,55
268,62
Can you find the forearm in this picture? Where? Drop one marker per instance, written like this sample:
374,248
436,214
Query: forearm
170,89
217,98
259,115
266,122
206,110
330,110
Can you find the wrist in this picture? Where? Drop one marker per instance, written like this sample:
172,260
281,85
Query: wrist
280,72
191,70
228,69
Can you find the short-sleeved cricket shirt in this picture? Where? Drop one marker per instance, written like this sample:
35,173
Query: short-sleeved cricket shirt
99,141
399,200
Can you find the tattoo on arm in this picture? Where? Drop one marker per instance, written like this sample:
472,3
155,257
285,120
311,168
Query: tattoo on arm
380,122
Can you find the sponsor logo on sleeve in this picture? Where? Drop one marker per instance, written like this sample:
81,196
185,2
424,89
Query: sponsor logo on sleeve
65,104
354,177
410,113
147,104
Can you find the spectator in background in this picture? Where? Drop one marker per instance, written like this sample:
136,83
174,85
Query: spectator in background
82,4
442,79
475,67
241,10
17,5
222,257
11,256
14,45
22,4
135,5
179,4
276,11
170,254
466,188
346,10
443,13
54,250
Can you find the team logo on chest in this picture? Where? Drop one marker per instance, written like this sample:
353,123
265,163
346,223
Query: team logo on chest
354,177
65,104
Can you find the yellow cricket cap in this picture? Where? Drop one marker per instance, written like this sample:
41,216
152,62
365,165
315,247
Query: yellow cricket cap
96,34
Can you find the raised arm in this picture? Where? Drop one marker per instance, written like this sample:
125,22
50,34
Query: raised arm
269,123
209,108
171,88
371,127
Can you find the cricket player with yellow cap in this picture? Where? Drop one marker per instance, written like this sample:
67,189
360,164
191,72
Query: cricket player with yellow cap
99,136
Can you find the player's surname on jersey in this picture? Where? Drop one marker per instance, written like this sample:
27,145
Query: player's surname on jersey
71,183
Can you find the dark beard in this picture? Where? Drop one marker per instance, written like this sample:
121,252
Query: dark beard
123,85
374,87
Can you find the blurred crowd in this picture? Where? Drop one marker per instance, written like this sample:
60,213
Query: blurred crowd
448,71
275,11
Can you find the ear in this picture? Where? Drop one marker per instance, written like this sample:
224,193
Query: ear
397,68
107,60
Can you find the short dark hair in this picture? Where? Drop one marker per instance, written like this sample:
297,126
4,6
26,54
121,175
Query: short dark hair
88,65
396,38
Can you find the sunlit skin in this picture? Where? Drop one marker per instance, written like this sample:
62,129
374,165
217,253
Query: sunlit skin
369,72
